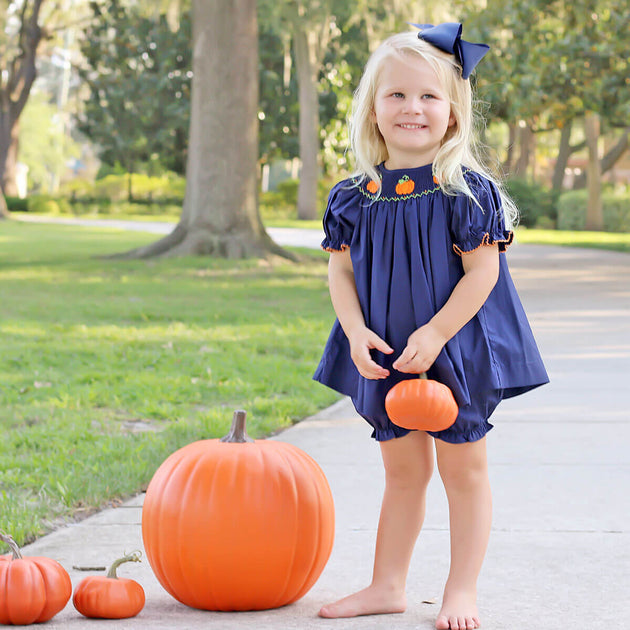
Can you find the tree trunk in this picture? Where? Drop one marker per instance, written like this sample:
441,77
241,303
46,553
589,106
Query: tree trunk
509,157
609,160
309,123
9,143
4,211
564,152
526,141
220,215
594,212
19,72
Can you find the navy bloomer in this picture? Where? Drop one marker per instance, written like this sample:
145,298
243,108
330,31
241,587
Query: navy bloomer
406,248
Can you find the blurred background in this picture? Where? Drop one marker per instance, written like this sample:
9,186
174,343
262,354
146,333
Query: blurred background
95,101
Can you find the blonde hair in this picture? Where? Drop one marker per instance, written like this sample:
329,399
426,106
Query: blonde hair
459,148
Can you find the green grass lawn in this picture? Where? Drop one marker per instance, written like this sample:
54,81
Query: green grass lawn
619,241
108,366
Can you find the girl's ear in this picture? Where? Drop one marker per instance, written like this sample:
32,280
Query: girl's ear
372,115
452,120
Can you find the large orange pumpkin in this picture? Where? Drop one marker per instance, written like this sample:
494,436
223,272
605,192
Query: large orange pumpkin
422,404
32,589
238,524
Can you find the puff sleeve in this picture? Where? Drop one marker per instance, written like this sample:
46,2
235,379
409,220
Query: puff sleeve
340,216
473,226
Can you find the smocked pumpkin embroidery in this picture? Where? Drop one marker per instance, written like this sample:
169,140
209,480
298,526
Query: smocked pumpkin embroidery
405,186
372,186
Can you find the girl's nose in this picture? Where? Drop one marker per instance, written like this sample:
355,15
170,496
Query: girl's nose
413,105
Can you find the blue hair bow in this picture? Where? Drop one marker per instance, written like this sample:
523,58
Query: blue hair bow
448,38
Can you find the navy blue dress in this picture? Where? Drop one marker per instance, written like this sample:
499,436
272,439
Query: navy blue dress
406,248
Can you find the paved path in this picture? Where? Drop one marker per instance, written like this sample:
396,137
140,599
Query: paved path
559,554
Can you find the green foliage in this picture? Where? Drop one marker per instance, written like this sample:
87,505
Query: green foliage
282,203
278,100
109,366
552,61
139,75
16,204
166,187
533,200
44,146
616,208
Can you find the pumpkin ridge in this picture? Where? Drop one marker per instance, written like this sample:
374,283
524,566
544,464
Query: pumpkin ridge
56,600
184,468
286,592
22,570
313,567
210,465
168,476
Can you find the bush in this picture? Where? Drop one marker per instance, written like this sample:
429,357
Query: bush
41,204
537,204
15,204
282,202
169,187
616,206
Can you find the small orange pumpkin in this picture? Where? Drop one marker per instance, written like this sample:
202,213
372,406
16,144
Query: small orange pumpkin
372,186
422,404
108,596
32,589
238,524
405,186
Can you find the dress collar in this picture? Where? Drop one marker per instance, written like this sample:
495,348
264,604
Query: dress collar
403,182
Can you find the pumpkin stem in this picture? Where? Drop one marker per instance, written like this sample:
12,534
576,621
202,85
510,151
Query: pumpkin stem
8,539
424,376
134,556
237,431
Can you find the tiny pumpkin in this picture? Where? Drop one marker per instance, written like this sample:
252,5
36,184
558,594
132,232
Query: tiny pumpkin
32,589
405,186
422,404
110,597
372,186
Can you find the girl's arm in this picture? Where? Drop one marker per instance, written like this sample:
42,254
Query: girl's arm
481,271
345,300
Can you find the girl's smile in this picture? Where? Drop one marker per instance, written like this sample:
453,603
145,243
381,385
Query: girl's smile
411,110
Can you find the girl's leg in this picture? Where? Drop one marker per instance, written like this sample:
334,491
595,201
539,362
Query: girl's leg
464,471
408,465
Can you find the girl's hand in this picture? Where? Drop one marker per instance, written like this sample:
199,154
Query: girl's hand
423,347
361,342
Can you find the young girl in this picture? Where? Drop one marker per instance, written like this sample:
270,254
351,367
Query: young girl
419,283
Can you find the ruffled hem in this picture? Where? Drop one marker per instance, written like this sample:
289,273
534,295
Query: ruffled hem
454,436
469,246
334,247
383,435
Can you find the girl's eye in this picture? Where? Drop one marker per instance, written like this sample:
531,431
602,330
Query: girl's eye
428,96
398,95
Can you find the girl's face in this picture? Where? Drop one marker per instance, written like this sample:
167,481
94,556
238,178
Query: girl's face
412,111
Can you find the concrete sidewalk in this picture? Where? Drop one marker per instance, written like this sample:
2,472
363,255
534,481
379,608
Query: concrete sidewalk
559,553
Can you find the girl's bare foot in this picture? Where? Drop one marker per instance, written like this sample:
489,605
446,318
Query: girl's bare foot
372,600
459,611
